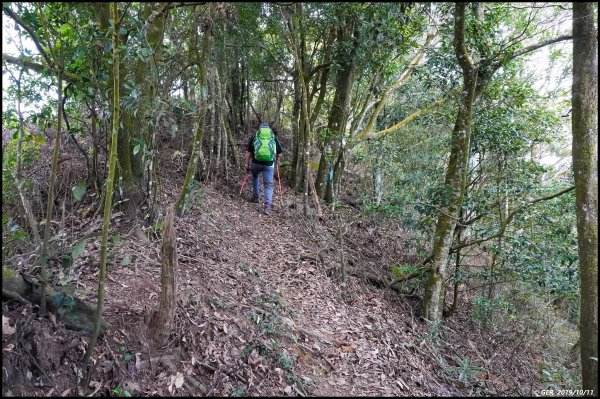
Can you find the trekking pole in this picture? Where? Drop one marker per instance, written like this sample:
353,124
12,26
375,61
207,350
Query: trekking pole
243,183
279,181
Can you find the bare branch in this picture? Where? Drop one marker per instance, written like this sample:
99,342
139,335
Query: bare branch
32,34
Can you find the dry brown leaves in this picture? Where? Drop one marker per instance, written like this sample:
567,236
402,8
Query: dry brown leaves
260,315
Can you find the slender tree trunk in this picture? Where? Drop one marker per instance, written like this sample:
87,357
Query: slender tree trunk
297,139
232,147
130,187
335,184
457,279
96,150
44,273
220,125
211,125
155,37
109,185
585,169
197,144
235,93
456,173
377,171
322,173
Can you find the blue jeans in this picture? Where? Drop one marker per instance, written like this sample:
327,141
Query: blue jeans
267,172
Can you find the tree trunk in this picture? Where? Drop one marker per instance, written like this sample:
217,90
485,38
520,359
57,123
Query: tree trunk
197,144
44,274
297,140
340,108
132,188
109,185
211,122
162,320
232,147
585,169
338,169
456,173
235,93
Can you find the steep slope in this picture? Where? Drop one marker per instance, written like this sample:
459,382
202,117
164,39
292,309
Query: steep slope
260,312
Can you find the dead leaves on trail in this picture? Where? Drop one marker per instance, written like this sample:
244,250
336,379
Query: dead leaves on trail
257,313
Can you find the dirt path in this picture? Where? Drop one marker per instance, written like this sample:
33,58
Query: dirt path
257,314
356,343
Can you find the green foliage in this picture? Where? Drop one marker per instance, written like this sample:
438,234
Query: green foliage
483,309
79,191
401,271
435,330
119,390
542,247
553,379
30,151
285,361
126,260
14,238
216,302
465,369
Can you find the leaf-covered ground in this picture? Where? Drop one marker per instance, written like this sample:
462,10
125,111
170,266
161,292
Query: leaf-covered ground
261,312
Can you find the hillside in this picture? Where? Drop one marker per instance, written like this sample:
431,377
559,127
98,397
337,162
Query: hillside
261,313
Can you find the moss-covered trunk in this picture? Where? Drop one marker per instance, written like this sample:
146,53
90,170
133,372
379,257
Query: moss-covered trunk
585,169
340,108
456,173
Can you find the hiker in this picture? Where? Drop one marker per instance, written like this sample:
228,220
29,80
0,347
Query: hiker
264,149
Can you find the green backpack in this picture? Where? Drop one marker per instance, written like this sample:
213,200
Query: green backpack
264,145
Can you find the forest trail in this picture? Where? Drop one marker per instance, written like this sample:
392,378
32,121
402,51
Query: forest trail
256,304
260,313
338,343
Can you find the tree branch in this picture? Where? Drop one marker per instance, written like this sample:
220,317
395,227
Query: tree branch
365,135
459,38
533,47
504,224
32,34
34,66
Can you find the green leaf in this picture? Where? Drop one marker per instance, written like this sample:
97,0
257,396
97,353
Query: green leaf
127,357
78,248
116,239
121,348
136,149
64,28
127,394
126,260
79,191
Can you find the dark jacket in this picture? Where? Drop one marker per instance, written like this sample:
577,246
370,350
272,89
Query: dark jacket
250,148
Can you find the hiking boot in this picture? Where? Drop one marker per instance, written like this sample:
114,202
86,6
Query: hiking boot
254,199
267,209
